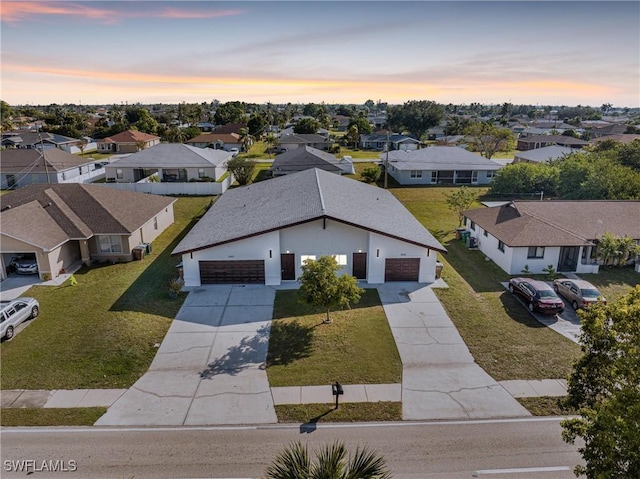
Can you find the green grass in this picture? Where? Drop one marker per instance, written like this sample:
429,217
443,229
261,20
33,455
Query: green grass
102,332
613,282
87,416
348,412
503,337
357,348
546,406
95,155
345,151
257,150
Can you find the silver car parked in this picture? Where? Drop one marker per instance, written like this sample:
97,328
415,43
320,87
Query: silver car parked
580,293
15,312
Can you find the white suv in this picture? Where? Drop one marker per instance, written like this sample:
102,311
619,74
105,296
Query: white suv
15,312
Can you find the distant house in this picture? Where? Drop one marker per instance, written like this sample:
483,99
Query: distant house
230,128
563,234
171,162
624,139
24,166
215,140
379,140
452,140
65,225
38,140
128,141
264,232
306,157
289,142
614,129
540,141
438,165
341,122
542,155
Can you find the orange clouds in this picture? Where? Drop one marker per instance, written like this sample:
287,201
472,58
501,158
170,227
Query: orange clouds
13,12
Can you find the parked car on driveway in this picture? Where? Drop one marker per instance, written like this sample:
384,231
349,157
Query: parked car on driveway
15,312
580,293
538,295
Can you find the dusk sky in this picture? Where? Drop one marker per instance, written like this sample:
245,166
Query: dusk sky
546,53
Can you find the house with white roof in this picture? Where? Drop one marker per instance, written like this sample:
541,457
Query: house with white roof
542,155
439,165
264,232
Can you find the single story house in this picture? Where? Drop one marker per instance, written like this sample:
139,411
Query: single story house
128,141
63,225
540,141
25,166
542,155
379,141
614,129
216,141
290,142
38,139
263,233
563,234
437,165
171,162
624,139
307,157
230,128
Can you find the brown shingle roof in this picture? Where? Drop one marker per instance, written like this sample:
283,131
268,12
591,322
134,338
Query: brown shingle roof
79,210
558,223
230,128
130,136
214,137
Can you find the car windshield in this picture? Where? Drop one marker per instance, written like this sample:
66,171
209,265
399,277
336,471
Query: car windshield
547,293
590,293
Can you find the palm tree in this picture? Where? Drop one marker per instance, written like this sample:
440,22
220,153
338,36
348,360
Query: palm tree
271,141
607,246
331,462
246,140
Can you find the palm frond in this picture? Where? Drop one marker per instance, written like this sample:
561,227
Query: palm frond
292,463
330,462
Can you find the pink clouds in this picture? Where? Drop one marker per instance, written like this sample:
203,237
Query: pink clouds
178,13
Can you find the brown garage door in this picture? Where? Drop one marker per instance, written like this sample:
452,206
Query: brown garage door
401,269
232,272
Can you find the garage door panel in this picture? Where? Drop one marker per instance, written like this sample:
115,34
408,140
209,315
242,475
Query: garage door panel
401,269
232,272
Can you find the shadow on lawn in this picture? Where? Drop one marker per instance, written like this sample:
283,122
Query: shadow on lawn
289,342
149,292
517,311
482,275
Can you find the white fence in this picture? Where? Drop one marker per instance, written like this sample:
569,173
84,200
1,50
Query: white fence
175,188
90,177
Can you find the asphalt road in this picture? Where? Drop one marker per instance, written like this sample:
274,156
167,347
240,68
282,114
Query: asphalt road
509,449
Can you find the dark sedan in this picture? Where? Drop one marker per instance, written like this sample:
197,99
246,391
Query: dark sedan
537,295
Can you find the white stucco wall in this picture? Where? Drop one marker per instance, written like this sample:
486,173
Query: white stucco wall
316,239
404,177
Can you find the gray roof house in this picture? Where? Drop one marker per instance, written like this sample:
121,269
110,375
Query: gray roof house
396,141
561,233
540,141
263,233
171,162
306,157
440,165
69,224
25,166
542,155
289,142
38,139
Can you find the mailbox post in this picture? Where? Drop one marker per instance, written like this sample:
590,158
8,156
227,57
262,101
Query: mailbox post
336,389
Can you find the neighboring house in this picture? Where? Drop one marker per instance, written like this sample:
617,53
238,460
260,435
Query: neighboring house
379,140
230,128
615,129
437,165
206,126
306,157
263,233
64,225
290,142
540,141
216,141
542,155
624,139
341,122
128,141
452,140
171,162
38,140
21,166
563,234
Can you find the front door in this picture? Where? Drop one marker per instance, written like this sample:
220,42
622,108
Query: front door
288,266
360,265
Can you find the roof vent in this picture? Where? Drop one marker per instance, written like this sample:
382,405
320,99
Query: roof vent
8,207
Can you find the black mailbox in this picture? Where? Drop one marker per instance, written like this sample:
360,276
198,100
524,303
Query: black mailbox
336,389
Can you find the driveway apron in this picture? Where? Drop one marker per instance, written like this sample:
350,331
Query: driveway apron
440,378
210,368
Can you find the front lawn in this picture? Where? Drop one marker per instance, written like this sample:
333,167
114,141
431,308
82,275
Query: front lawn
505,340
357,348
101,333
311,414
613,282
86,416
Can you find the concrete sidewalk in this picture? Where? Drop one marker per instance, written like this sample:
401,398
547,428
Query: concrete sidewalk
25,398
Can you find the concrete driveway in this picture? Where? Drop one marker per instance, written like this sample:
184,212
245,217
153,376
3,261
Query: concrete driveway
210,368
440,379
